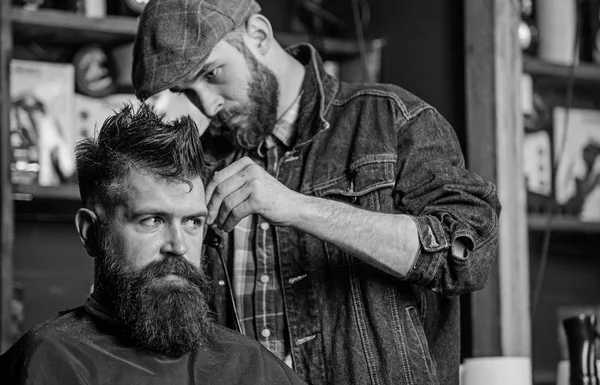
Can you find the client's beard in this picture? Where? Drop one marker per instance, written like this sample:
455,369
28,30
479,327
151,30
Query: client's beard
167,318
260,112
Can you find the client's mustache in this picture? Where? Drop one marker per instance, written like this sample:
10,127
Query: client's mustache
176,266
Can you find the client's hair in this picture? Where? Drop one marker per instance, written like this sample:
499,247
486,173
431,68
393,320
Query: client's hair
137,138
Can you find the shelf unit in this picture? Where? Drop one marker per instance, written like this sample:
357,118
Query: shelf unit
60,27
501,312
29,192
573,241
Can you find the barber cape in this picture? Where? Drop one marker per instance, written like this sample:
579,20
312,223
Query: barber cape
81,346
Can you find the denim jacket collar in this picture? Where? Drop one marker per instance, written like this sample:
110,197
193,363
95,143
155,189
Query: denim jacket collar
319,89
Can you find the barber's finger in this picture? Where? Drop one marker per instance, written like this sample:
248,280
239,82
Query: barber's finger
237,214
232,206
222,191
226,173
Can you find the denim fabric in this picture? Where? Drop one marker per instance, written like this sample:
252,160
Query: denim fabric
383,149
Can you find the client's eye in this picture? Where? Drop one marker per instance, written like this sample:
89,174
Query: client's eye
151,222
194,223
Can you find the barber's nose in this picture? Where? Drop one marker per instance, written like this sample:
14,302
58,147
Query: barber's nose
174,244
208,101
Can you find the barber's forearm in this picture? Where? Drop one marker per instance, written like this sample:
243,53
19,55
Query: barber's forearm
387,241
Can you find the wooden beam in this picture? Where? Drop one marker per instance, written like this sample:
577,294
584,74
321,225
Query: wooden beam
500,313
6,204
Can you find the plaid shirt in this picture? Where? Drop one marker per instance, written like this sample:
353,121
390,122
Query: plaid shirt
256,281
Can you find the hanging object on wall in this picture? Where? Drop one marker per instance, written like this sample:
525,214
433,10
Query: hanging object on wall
94,72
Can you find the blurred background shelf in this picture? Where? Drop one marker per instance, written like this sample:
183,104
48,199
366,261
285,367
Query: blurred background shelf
563,223
61,27
43,204
582,72
68,192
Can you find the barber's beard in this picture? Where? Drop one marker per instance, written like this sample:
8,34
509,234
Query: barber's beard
259,114
164,317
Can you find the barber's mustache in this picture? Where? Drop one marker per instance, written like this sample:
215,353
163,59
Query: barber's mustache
223,116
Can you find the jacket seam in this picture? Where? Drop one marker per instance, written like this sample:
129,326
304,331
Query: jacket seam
488,237
400,337
359,314
371,188
417,336
415,113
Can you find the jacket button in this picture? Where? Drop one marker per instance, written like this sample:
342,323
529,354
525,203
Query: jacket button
221,282
266,333
264,226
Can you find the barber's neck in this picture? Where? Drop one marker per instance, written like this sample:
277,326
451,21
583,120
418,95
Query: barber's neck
290,73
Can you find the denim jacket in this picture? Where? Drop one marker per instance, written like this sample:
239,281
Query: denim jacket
382,149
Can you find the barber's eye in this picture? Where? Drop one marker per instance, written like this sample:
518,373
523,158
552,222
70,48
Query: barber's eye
212,73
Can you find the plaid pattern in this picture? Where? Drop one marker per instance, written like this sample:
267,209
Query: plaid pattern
256,281
175,37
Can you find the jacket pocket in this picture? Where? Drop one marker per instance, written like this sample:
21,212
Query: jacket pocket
366,184
416,362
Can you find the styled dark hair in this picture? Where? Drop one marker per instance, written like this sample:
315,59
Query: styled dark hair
137,138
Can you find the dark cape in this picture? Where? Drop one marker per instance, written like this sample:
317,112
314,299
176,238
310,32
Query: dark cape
82,346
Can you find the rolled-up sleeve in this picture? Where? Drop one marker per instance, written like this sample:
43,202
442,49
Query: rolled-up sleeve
448,203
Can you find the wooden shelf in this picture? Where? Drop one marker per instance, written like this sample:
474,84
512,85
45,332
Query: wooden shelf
584,72
540,222
30,192
60,27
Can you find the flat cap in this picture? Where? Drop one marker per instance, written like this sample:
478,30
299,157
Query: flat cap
175,37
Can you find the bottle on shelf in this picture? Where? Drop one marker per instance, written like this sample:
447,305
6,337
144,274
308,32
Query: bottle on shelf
581,335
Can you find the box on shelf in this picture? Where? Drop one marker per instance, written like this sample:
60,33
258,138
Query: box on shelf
576,135
42,122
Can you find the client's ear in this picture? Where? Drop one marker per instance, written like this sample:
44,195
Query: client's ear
87,224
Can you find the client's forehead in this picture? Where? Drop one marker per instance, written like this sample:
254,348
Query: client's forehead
146,191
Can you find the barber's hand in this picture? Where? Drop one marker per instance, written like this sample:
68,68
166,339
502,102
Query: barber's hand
245,188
